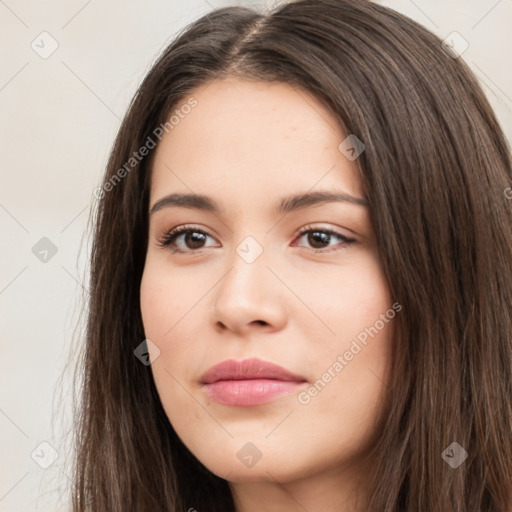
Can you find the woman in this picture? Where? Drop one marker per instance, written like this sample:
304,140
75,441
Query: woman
300,287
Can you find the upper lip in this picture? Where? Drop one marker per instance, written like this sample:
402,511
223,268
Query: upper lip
248,369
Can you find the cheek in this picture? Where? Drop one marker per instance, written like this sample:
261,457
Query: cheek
162,309
166,298
164,315
173,316
153,300
346,300
352,361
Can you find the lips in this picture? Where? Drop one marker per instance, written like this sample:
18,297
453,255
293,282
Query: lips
249,382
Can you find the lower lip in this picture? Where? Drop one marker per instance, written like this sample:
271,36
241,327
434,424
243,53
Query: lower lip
249,392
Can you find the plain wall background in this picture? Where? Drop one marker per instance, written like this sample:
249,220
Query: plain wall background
59,117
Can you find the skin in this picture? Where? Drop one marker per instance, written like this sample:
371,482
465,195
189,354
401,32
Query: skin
247,144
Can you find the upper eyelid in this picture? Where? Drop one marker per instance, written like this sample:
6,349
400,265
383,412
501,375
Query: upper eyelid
181,230
178,231
185,227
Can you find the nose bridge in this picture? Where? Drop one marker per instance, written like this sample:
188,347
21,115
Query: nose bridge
248,271
246,294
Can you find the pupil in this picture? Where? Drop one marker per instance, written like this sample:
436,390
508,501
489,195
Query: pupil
318,237
194,240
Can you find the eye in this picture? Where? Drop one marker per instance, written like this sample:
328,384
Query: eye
188,239
320,239
185,239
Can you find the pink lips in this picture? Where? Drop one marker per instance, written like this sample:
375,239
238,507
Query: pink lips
248,382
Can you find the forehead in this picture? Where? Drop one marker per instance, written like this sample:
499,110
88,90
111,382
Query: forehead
255,138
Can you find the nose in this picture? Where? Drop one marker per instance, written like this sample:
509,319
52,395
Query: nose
248,298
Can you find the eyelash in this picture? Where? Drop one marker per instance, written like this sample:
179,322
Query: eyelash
170,237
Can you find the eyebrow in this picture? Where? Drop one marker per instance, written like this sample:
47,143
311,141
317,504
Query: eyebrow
285,205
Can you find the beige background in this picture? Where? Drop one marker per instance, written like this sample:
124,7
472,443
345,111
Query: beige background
59,116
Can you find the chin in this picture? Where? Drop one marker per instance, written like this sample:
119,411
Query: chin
283,466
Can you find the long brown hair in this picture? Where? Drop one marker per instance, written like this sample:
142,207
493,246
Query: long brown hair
434,171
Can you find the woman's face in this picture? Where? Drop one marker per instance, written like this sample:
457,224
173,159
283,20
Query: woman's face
266,273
